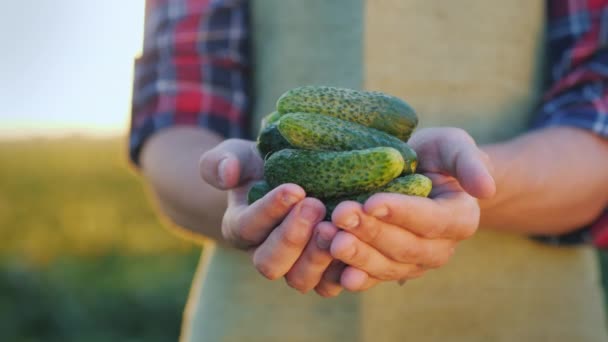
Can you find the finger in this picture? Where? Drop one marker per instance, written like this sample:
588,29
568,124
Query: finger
465,161
248,225
231,163
326,232
278,253
453,216
392,241
329,286
355,280
306,273
353,252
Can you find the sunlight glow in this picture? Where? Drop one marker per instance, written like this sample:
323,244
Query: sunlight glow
66,66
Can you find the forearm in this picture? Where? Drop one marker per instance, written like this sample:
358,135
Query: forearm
170,164
548,182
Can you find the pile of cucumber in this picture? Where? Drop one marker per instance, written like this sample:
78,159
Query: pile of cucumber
339,144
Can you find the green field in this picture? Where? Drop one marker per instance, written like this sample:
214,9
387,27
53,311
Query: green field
83,256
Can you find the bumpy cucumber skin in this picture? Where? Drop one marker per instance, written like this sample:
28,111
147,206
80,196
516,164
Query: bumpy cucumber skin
322,132
334,173
270,140
413,185
257,191
373,109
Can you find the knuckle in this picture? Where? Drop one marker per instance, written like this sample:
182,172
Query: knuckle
294,236
275,208
356,256
370,232
405,254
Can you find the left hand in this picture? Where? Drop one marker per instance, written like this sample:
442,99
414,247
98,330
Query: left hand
395,237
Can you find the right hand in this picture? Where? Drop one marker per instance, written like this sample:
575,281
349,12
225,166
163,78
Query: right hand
282,230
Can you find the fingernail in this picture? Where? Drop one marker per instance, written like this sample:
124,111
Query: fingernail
380,212
289,199
351,222
323,243
309,213
221,171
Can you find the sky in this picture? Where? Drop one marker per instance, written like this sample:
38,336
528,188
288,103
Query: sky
66,66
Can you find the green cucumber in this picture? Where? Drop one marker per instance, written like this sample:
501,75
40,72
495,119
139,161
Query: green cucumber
368,108
257,191
322,132
334,173
412,185
268,119
270,140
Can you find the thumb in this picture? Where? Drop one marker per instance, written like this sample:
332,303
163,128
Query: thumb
471,166
231,163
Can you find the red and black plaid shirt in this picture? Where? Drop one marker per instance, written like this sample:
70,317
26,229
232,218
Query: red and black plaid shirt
194,71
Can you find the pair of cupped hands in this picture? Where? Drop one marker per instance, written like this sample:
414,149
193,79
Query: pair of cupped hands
391,237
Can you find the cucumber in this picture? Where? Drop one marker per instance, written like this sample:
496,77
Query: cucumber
334,173
268,119
372,109
412,185
257,191
322,132
270,140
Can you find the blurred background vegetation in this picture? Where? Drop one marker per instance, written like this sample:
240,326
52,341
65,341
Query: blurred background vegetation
83,256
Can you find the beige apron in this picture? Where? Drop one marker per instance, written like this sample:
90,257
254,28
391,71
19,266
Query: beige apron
474,64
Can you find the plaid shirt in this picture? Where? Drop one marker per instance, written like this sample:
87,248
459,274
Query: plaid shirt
194,71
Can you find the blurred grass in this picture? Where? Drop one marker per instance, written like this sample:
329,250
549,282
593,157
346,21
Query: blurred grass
83,256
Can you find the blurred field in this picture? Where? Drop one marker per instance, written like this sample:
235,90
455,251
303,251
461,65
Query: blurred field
82,254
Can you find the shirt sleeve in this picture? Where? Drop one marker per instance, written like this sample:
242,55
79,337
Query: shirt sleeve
578,59
193,69
577,94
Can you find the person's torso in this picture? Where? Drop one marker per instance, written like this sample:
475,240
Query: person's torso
474,64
